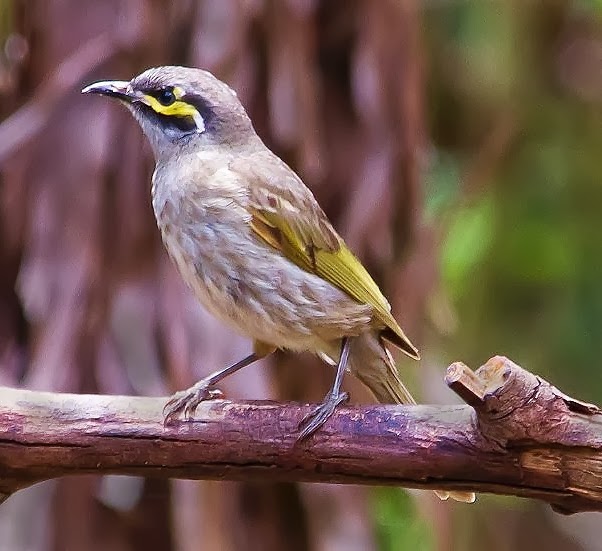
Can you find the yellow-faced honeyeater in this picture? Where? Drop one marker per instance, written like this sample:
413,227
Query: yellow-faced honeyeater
252,243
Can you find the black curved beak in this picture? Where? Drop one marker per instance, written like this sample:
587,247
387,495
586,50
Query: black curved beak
119,89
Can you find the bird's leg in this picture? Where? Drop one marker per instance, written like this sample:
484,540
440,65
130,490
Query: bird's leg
317,417
187,400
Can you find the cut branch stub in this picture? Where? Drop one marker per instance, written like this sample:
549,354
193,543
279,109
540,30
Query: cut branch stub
514,405
520,412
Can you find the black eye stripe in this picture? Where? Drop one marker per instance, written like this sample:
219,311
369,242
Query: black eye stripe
205,109
165,95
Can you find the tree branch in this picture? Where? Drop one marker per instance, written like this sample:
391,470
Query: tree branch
523,437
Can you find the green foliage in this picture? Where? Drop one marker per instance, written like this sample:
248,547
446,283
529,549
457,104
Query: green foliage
595,6
521,254
442,185
520,245
469,238
398,523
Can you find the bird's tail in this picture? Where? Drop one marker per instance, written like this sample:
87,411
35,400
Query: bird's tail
373,365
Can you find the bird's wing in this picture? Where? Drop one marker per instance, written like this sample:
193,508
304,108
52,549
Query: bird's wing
285,214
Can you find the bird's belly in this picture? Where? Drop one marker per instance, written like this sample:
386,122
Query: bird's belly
252,287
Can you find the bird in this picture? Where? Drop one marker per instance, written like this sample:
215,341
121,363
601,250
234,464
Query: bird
252,243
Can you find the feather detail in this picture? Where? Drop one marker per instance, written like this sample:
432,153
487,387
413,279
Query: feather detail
285,215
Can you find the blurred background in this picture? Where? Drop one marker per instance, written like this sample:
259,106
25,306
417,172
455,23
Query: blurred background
456,146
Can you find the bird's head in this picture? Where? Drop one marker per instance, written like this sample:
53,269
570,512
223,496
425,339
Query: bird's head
179,107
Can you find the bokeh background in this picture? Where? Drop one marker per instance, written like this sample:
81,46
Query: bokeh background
455,144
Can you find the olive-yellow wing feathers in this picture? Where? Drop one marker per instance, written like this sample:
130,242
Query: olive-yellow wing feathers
289,219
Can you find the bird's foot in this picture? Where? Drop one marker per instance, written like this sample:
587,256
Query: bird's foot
186,401
318,416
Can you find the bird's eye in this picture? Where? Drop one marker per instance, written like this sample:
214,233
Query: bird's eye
166,96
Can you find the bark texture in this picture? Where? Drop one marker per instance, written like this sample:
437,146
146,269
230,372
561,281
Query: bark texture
519,435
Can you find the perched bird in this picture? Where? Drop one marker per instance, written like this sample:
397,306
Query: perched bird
252,243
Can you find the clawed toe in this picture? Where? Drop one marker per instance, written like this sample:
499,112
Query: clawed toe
186,401
318,416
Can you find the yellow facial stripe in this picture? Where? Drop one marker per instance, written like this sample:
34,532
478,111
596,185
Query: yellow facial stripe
176,109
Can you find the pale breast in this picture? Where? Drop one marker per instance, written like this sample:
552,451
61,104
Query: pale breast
242,280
